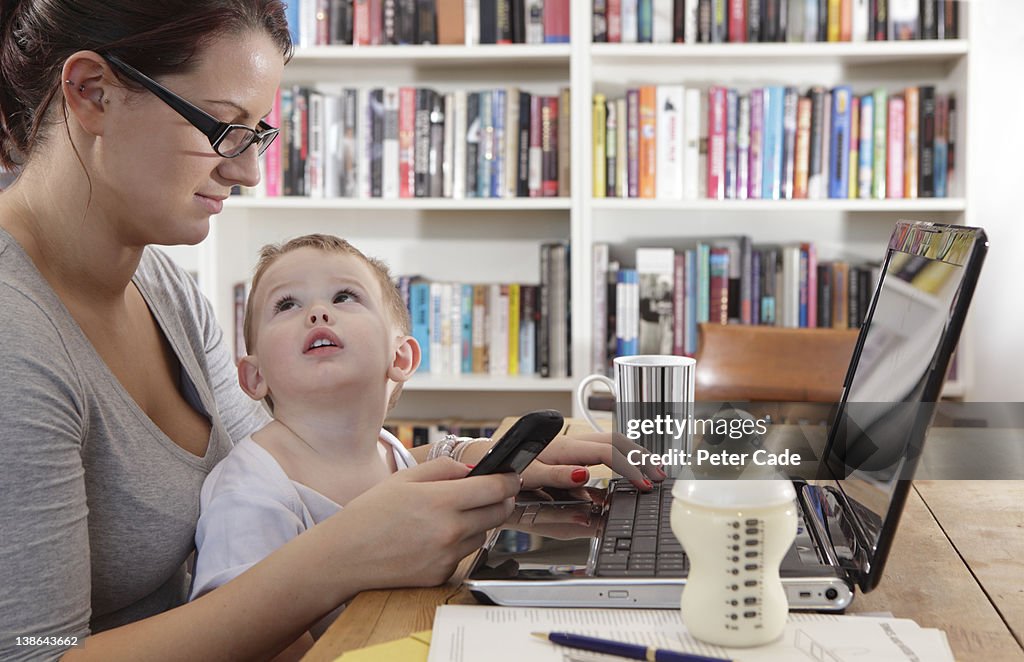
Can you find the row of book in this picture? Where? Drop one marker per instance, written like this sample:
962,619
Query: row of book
397,22
499,329
655,305
406,142
413,433
674,142
737,21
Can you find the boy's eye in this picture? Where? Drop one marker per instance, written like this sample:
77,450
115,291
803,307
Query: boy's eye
345,295
285,303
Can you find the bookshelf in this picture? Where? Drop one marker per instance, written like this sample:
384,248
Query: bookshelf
491,240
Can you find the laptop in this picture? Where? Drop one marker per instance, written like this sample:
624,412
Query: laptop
618,550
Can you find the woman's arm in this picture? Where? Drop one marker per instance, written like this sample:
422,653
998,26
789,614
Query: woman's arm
431,523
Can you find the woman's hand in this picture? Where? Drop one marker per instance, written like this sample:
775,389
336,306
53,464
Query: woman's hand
414,528
565,460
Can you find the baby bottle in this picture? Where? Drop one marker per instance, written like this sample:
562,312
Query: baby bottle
736,533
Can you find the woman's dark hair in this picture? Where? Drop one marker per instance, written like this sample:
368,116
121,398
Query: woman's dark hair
158,37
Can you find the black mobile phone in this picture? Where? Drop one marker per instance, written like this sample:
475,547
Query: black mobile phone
521,444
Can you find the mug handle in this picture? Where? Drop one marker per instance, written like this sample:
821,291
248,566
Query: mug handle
581,391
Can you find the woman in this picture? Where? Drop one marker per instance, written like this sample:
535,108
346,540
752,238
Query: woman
118,391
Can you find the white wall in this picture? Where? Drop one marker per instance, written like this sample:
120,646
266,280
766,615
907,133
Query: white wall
996,199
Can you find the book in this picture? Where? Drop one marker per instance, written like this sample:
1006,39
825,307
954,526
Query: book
654,268
669,145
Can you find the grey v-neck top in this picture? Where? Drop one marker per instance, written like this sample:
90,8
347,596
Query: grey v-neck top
98,507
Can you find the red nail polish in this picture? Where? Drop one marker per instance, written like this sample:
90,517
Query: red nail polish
648,484
579,475
471,466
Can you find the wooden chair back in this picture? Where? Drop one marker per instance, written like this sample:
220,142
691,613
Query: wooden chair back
742,362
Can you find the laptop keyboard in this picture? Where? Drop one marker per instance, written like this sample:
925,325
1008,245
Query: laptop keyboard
638,539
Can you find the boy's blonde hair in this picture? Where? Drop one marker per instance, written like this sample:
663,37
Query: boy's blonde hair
394,305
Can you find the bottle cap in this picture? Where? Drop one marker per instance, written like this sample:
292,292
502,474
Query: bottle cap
734,493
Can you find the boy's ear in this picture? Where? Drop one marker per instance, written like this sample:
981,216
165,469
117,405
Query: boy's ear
250,378
405,360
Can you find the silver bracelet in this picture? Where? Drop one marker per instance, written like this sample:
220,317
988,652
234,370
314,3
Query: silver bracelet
461,447
444,448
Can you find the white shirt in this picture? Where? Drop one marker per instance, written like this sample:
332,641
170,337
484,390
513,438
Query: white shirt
249,507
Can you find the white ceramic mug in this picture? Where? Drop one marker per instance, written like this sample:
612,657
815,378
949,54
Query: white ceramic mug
735,533
657,383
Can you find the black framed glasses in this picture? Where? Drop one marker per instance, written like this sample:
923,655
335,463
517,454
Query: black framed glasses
228,140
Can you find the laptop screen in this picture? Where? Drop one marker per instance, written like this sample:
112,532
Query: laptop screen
896,376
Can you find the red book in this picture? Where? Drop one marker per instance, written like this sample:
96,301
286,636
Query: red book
614,18
737,21
406,142
716,143
361,23
376,31
894,148
556,21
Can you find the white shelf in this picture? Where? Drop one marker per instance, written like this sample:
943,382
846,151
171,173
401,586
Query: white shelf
461,56
857,205
873,52
489,383
410,204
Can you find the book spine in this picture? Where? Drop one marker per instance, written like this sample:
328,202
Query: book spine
511,146
926,143
627,298
911,137
448,152
549,147
731,127
839,149
528,331
534,21
273,153
716,143
941,137
419,312
757,113
524,146
879,162
951,144
390,155
771,185
599,126
512,350
737,21
648,142
679,304
669,144
789,125
499,101
815,177
485,159
718,265
534,176
611,153
743,148
564,155
633,142
894,153
854,151
802,147
421,140
599,292
629,21
867,147
473,137
614,21
480,331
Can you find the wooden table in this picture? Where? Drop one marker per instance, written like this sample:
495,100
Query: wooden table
957,564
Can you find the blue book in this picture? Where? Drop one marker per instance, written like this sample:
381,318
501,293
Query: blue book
645,21
803,293
467,328
839,145
419,311
866,149
772,137
497,183
627,314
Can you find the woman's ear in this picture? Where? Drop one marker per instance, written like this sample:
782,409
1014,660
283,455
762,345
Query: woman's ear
250,379
405,360
87,83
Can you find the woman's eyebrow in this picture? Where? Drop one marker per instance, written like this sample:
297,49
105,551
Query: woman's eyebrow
243,114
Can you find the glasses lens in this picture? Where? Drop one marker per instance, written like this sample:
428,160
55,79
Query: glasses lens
235,141
266,138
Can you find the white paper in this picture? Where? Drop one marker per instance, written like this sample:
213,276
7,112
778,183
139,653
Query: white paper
464,633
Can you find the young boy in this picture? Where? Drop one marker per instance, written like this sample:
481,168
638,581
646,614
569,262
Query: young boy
329,348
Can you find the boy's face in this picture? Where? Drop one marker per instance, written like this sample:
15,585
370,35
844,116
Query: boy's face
321,326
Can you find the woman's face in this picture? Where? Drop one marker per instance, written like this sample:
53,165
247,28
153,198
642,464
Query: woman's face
160,178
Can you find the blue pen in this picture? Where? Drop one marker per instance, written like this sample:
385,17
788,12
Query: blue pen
622,649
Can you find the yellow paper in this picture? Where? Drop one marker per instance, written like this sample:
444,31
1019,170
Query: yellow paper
413,648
